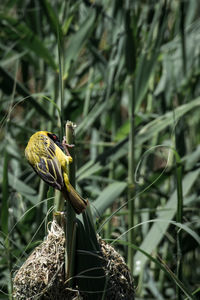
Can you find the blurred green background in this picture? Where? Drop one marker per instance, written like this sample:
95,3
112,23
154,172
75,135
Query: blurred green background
130,81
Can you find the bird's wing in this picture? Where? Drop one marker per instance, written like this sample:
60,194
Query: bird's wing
49,169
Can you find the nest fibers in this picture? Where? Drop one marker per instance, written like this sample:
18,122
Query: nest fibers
42,274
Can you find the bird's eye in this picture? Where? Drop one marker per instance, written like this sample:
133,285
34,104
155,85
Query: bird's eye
54,137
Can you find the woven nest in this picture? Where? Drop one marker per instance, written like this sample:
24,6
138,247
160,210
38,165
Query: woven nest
42,274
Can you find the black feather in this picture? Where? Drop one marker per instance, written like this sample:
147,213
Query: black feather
50,171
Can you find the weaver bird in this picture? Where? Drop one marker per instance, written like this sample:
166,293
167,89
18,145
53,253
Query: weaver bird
45,154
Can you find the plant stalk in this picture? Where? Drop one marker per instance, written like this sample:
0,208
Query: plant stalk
70,230
182,31
131,168
179,219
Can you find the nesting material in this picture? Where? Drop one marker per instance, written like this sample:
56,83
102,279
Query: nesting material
120,283
42,275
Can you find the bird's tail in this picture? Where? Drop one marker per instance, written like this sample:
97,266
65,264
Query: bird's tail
78,203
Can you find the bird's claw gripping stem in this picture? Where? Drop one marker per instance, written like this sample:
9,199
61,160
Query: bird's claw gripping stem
66,146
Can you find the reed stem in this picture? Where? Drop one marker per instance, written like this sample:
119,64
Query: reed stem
131,168
179,219
70,230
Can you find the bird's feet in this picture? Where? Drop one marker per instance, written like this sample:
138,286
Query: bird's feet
66,146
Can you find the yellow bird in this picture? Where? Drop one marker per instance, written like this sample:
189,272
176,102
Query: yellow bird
45,154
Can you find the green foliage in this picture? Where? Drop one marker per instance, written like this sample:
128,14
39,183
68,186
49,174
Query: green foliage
108,48
91,277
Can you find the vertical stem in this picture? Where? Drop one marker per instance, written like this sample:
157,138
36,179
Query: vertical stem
131,168
114,118
130,59
182,30
61,79
59,201
52,194
70,232
179,218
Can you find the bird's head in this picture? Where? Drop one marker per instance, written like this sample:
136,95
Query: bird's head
55,139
